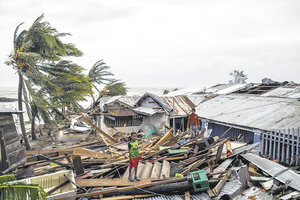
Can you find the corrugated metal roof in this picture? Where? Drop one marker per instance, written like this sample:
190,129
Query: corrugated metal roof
266,113
196,99
145,111
280,172
254,192
285,92
157,99
165,197
231,188
130,101
9,110
225,88
181,105
121,113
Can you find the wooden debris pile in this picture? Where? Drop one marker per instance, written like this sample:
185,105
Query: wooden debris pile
171,164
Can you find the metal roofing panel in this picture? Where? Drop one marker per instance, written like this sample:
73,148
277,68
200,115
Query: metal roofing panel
280,172
266,113
253,192
145,111
181,105
9,110
157,99
285,92
225,88
231,188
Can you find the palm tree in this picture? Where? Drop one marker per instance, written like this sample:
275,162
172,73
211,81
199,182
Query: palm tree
40,43
99,74
74,85
115,88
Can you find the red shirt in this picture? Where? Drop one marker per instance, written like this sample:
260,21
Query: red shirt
193,119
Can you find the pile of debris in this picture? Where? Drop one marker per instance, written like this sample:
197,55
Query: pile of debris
173,166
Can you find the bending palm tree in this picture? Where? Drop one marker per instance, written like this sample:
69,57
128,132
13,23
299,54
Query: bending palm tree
99,74
40,43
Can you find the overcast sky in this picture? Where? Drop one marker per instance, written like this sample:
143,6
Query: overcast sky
169,43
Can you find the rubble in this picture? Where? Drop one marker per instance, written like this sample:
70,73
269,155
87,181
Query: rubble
173,165
99,169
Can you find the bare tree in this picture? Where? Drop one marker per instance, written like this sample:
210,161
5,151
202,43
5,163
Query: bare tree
238,77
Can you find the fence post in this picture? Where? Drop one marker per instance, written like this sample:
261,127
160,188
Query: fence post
283,146
293,147
297,147
274,145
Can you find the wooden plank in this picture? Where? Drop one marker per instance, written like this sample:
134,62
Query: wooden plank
252,170
175,158
110,182
90,153
146,170
126,174
165,170
219,152
156,170
86,120
128,197
194,165
78,165
119,189
217,189
6,122
187,195
140,169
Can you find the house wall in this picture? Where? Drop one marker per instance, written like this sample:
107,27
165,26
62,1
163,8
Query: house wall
159,121
12,153
233,133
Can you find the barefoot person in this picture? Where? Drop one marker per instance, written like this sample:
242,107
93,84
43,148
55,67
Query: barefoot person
133,147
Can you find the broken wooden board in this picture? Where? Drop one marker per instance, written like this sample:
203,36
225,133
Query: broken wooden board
146,170
128,197
156,170
110,182
252,170
90,153
139,171
165,170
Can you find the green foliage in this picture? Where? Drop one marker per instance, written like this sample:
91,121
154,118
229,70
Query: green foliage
7,178
20,190
100,74
52,83
115,88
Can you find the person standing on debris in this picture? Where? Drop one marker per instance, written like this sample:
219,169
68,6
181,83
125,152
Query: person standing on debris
134,152
193,124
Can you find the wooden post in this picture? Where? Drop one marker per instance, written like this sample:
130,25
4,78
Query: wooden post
86,120
220,185
78,165
187,195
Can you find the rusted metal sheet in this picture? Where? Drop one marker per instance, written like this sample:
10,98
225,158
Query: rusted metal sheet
121,113
181,105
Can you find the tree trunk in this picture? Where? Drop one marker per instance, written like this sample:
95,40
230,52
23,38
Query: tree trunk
93,100
33,135
26,101
21,109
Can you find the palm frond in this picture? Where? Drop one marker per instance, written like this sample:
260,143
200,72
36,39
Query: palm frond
16,36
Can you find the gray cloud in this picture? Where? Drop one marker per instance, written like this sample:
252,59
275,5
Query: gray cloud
168,42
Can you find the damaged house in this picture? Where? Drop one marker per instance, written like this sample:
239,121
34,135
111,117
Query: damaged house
149,113
12,154
268,114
